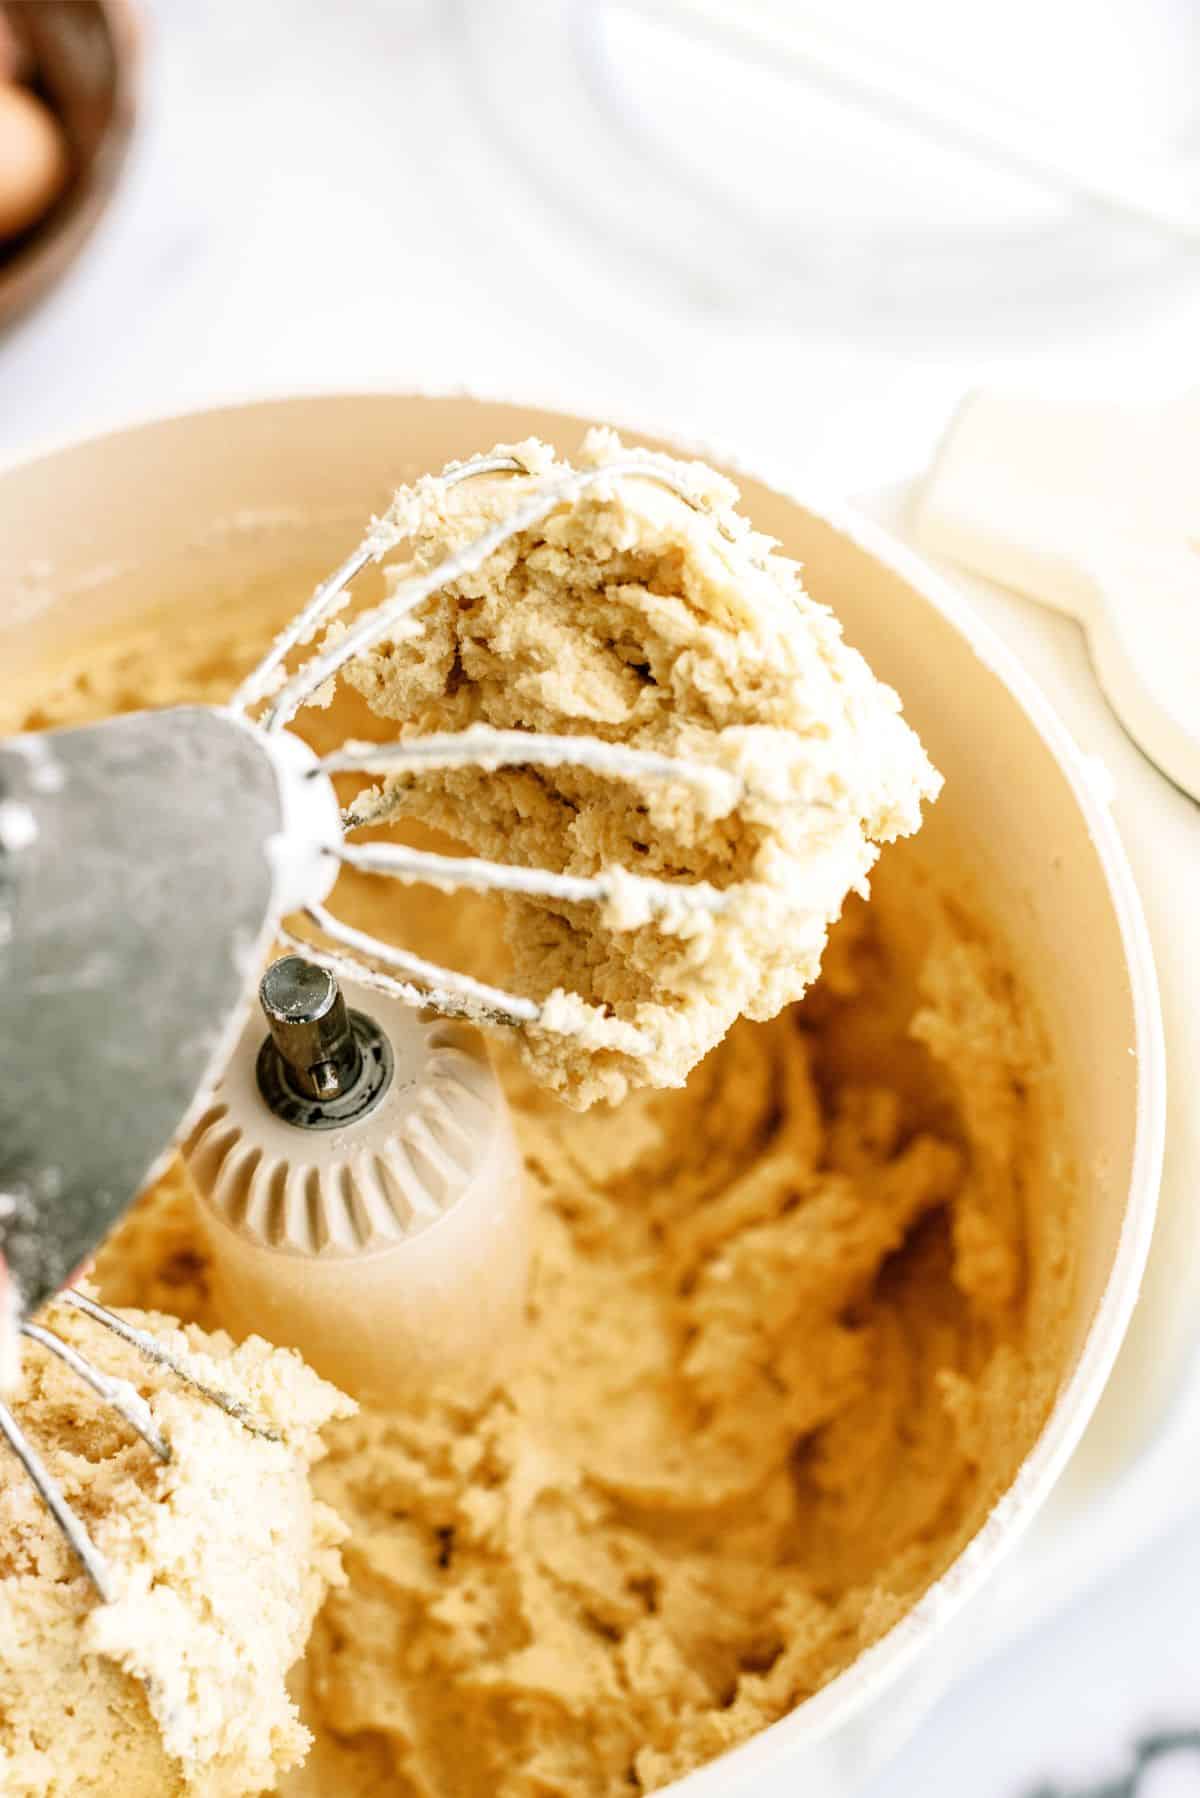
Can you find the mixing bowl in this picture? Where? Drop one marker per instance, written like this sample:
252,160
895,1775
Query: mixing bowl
260,499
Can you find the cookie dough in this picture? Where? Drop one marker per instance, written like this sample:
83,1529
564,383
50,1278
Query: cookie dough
659,624
792,1329
219,1559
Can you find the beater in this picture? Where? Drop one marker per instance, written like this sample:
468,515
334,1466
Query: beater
147,864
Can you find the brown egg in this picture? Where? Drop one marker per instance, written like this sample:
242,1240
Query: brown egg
33,159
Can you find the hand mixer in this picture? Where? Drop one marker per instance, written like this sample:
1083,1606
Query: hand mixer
146,866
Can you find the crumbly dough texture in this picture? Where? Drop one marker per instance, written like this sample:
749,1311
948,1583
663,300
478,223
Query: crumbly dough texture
220,1559
792,1329
665,624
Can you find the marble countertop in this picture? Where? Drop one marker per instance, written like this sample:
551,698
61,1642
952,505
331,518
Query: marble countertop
333,196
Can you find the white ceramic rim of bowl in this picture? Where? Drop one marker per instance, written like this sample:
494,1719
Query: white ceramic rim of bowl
878,1666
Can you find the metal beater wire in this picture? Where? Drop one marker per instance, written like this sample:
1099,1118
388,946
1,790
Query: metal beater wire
352,967
127,1402
451,872
50,1493
479,747
457,995
327,598
153,1350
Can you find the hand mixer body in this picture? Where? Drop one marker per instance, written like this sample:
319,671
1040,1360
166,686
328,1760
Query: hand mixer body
144,865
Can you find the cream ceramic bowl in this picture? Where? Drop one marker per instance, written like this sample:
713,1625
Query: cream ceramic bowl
270,495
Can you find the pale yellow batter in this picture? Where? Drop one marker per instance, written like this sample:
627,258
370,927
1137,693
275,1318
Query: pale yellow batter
792,1329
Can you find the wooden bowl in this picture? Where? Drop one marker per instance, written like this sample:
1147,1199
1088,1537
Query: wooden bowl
84,56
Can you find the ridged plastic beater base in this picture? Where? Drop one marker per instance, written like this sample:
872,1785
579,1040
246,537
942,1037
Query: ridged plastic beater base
391,1250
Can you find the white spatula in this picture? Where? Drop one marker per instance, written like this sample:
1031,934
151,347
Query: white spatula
1093,508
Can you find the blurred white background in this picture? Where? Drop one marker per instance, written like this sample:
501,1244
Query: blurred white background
647,210
588,199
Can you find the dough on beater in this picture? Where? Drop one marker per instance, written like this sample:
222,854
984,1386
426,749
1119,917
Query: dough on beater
220,1559
636,617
